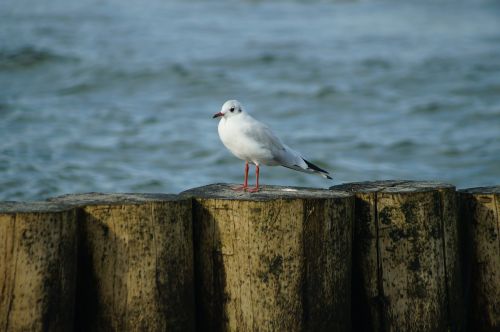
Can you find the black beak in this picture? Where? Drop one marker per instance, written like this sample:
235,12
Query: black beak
216,115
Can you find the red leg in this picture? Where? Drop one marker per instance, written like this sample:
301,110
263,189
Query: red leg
245,184
252,190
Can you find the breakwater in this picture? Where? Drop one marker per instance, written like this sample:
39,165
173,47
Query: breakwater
373,256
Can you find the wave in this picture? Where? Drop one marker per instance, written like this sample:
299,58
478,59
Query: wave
403,145
27,56
431,107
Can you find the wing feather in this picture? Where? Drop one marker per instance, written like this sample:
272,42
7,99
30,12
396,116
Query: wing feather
263,136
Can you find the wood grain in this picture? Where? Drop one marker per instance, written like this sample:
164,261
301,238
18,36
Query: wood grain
276,260
480,214
407,264
37,266
135,262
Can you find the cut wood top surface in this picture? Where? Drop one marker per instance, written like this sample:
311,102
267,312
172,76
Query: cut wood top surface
395,186
11,207
113,199
482,190
225,191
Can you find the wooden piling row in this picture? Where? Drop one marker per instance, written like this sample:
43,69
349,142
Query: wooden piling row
424,258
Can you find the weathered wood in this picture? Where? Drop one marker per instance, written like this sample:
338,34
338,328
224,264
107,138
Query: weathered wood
37,266
135,263
406,262
276,260
480,211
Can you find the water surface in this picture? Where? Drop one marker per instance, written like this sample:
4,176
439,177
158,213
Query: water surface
117,96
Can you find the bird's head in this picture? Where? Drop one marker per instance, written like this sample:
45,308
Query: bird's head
230,108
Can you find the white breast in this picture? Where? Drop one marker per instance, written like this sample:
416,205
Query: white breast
234,134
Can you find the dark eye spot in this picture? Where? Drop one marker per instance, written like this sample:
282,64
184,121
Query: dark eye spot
231,109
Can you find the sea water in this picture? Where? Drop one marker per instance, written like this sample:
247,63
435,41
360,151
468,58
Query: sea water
118,96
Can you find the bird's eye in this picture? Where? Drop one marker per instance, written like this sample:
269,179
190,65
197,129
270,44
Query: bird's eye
231,109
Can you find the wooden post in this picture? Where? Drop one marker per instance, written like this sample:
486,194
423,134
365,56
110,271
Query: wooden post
480,211
276,260
406,263
136,263
37,266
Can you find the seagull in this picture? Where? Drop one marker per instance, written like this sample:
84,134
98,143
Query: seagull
253,142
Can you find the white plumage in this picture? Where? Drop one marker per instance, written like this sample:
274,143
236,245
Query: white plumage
252,141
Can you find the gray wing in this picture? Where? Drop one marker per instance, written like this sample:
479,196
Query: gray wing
281,153
262,135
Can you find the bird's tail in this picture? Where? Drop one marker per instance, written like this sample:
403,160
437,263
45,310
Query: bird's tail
308,167
317,170
293,160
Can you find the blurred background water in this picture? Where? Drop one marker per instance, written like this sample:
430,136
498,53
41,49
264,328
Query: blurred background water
117,96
